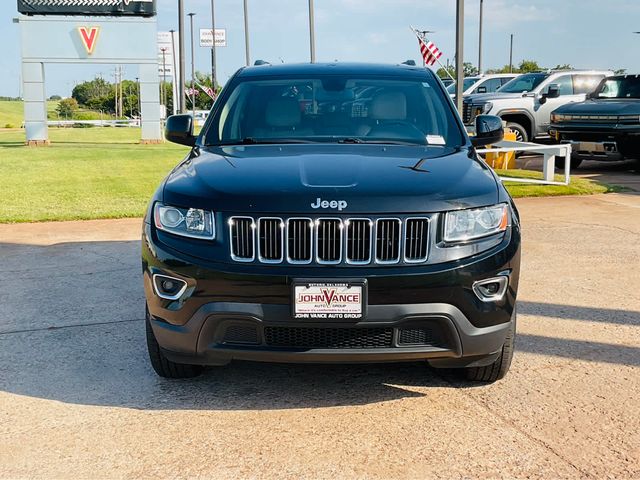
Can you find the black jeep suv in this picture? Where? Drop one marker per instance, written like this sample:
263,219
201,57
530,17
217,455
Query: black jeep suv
604,127
332,213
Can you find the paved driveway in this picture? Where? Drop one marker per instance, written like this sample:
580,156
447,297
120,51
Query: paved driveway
79,400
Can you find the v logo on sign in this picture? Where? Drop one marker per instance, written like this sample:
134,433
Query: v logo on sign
89,36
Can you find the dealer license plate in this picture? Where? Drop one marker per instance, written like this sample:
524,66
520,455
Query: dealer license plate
327,300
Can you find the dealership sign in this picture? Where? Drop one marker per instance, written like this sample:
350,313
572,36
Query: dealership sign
206,38
89,37
116,8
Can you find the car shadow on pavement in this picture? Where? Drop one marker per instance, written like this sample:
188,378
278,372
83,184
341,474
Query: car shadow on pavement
72,330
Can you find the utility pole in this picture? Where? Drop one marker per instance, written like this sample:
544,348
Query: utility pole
193,69
459,53
213,47
480,40
511,55
181,85
246,34
121,91
312,33
139,100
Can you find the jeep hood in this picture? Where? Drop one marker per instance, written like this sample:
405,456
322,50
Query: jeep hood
613,106
370,178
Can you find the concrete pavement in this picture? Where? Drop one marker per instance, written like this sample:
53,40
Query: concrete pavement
78,398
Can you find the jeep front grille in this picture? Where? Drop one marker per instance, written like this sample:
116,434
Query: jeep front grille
329,241
299,240
388,240
415,240
270,245
242,239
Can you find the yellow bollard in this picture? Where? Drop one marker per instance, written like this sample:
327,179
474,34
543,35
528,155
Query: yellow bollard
503,160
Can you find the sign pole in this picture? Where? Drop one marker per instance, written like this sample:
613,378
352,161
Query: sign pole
214,81
181,85
459,53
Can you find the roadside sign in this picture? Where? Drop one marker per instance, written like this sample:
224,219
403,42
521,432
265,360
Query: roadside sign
165,49
206,37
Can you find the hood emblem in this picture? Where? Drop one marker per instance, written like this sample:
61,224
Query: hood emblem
337,204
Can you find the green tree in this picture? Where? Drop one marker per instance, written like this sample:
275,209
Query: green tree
469,69
527,66
620,71
565,66
67,107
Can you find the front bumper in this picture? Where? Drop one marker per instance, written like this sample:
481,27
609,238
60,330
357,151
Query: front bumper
243,312
607,143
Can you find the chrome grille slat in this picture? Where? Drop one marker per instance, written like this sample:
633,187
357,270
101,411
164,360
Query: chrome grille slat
329,240
388,232
270,240
242,238
358,240
416,246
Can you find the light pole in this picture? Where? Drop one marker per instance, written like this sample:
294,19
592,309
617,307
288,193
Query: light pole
193,69
139,100
163,91
511,55
213,46
312,33
480,40
246,34
174,80
459,53
181,85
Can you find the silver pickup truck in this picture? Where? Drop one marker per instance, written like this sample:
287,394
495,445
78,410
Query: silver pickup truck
526,102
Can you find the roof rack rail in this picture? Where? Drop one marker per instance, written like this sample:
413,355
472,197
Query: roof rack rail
411,63
261,62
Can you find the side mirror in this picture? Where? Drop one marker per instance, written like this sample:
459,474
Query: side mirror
553,91
592,95
481,89
179,129
488,130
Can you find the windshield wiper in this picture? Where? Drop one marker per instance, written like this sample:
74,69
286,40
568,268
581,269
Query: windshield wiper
260,141
351,140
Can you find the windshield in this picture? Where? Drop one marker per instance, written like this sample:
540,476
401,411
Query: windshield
524,83
467,83
334,108
622,87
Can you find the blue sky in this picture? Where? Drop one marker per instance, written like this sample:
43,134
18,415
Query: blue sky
583,33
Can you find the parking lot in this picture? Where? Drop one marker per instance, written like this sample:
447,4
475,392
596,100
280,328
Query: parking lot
78,398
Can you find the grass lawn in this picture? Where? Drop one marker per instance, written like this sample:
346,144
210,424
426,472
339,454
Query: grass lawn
86,173
91,173
578,186
12,112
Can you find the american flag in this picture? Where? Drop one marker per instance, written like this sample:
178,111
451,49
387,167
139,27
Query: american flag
190,91
430,53
208,90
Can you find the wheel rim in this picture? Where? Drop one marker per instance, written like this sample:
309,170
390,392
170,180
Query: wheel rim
519,136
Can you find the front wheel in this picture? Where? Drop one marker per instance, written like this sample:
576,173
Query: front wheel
161,364
519,130
500,367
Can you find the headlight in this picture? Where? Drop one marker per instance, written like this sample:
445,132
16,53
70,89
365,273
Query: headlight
463,225
187,222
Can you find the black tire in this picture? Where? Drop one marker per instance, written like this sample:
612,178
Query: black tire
575,162
500,367
521,133
163,366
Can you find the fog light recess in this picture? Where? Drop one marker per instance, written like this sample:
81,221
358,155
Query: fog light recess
169,288
491,289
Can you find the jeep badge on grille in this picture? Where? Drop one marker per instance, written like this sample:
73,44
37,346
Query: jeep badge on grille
339,204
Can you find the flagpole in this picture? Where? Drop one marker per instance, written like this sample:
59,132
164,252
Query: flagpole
424,39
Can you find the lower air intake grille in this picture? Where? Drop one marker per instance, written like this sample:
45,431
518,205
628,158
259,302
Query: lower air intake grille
312,337
416,336
241,334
